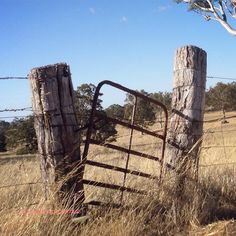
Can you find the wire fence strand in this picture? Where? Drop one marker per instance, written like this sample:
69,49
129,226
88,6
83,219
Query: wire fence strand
16,109
208,77
221,78
222,130
13,78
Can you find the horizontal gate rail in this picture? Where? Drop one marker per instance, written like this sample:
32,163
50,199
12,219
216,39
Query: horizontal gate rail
113,186
126,150
120,169
103,204
128,125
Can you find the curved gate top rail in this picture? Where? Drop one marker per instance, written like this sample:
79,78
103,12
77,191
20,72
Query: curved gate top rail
129,151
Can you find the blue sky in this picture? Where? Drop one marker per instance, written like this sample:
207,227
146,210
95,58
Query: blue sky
131,42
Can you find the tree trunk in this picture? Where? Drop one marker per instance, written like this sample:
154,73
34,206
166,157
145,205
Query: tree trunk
224,121
55,124
186,122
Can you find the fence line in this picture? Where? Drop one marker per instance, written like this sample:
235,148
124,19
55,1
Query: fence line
20,207
16,109
222,131
25,78
157,121
30,108
12,117
232,163
223,78
13,78
20,184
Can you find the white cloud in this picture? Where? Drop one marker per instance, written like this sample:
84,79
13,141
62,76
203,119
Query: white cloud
123,19
92,10
163,8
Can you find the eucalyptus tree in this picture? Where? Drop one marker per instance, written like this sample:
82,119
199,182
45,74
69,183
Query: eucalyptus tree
221,11
102,129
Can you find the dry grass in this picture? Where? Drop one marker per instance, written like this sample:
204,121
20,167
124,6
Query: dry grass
204,209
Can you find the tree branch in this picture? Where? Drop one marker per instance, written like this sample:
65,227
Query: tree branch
224,23
215,10
222,12
227,7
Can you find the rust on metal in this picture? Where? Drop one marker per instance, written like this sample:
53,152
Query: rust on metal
126,150
94,116
113,186
128,125
120,169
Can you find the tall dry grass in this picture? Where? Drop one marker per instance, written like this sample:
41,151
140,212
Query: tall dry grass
213,199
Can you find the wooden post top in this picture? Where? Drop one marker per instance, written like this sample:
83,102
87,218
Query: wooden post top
190,57
50,66
50,71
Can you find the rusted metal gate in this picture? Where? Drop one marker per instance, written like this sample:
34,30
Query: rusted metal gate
96,116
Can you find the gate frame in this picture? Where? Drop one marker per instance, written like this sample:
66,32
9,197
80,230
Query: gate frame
129,151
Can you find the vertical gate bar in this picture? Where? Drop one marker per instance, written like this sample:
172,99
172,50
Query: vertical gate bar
164,143
91,122
130,144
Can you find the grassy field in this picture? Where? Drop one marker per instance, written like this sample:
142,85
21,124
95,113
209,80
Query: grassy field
205,211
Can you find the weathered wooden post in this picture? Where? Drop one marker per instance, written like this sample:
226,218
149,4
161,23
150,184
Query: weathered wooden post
186,122
55,124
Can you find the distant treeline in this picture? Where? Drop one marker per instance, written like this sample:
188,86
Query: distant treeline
20,134
221,97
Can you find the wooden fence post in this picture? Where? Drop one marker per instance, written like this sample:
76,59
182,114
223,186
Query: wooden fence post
186,122
55,124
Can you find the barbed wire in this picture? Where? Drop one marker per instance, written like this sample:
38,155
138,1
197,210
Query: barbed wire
134,145
137,121
20,207
16,109
13,78
20,184
223,78
222,131
218,164
25,78
200,166
218,146
12,117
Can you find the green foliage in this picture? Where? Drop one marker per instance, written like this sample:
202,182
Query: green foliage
194,4
217,10
145,113
163,97
222,97
115,111
2,141
21,134
144,110
3,127
83,103
24,150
